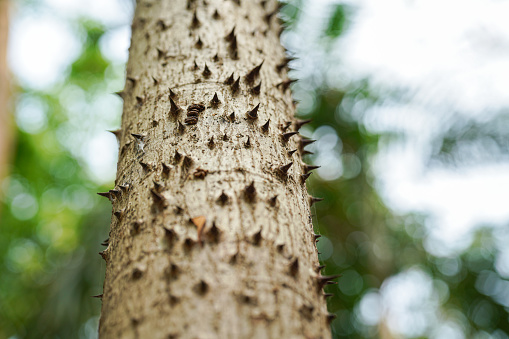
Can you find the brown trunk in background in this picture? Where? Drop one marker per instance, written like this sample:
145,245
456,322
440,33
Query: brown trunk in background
5,118
211,233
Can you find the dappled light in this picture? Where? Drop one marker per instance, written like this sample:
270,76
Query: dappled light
409,121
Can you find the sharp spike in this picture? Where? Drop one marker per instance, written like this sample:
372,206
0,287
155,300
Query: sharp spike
328,295
117,133
216,58
300,123
119,214
273,201
251,76
313,200
159,199
231,35
155,80
181,127
294,267
211,144
199,44
253,114
317,236
256,89
121,94
288,135
248,142
173,95
106,195
250,192
174,109
223,198
265,127
284,169
229,80
304,142
308,168
187,162
286,125
177,156
232,117
99,296
305,177
195,67
195,23
236,85
324,279
166,169
215,100
106,242
330,317
216,15
284,85
290,153
139,137
206,71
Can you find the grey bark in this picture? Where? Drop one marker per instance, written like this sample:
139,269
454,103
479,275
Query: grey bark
211,233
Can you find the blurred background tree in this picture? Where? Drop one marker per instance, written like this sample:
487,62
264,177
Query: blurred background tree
411,137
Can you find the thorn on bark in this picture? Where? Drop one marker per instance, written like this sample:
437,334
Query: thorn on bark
136,227
106,242
137,274
223,198
201,288
294,267
106,195
166,169
265,126
119,214
305,177
319,268
247,144
256,89
230,36
199,44
99,296
195,22
317,236
215,100
290,153
236,86
308,168
283,170
286,136
206,71
328,295
211,144
225,137
330,317
195,67
284,85
313,200
253,114
214,233
181,128
230,79
254,73
323,280
216,58
104,255
304,142
174,108
120,94
232,117
177,156
159,199
300,123
273,201
285,126
216,15
250,192
257,237
169,237
155,80
187,162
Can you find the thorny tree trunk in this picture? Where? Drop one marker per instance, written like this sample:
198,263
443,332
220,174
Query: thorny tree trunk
211,234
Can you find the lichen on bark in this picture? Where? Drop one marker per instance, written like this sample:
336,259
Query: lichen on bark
211,233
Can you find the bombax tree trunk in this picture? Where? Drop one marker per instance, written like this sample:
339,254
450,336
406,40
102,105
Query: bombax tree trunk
211,233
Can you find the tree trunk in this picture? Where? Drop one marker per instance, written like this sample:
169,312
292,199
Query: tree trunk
211,233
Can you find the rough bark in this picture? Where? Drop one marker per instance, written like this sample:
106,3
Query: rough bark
211,233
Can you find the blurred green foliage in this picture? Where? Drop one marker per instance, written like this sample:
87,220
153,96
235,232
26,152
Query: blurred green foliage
52,221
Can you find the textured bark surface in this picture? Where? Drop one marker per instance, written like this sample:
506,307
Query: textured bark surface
211,234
